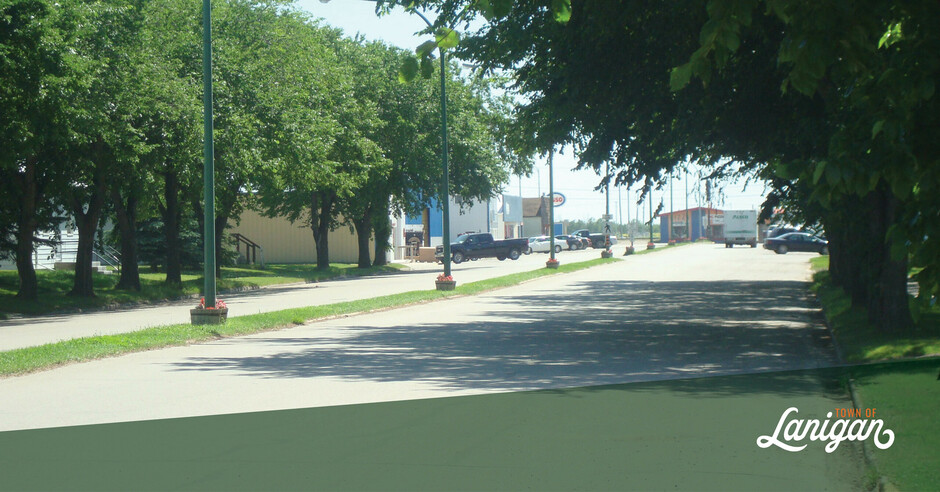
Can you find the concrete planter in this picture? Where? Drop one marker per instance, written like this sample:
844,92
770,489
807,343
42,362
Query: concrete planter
446,284
607,254
208,316
650,245
630,250
552,264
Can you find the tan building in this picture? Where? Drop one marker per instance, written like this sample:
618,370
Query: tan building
283,242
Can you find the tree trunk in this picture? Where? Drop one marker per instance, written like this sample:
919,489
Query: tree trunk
383,231
888,305
321,216
363,234
84,277
172,215
127,226
26,225
87,223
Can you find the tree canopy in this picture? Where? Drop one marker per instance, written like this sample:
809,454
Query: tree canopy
834,104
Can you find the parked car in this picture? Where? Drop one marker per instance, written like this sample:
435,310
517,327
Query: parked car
542,244
473,246
569,242
797,241
779,231
597,239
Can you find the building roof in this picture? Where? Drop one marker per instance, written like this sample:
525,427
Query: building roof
713,211
534,207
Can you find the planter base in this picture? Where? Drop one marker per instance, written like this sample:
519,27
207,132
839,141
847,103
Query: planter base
650,245
606,254
549,264
629,251
208,316
445,284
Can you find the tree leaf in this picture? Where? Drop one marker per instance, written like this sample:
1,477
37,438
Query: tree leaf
408,70
819,171
427,67
447,38
876,128
426,48
679,77
562,10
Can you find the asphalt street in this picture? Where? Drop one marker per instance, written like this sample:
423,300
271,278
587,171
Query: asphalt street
692,311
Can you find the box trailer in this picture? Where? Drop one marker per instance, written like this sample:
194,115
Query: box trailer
740,228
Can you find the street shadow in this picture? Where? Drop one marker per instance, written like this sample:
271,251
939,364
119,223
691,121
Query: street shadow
595,333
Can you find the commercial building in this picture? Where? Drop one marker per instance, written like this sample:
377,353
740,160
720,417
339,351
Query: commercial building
694,223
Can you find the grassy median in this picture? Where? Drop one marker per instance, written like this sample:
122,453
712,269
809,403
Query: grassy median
30,359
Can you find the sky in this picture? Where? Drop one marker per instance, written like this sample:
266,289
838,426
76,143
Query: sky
582,202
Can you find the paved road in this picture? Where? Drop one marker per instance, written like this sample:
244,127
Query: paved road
30,331
699,310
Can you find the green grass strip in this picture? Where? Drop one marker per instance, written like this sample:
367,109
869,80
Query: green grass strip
859,339
54,286
20,361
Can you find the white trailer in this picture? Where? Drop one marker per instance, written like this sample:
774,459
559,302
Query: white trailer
740,228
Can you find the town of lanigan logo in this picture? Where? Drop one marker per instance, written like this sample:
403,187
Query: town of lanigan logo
851,424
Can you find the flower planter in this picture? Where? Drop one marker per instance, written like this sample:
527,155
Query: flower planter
552,264
650,245
630,250
607,254
208,316
672,242
446,284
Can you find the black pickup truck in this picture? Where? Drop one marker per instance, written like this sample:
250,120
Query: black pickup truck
472,246
597,239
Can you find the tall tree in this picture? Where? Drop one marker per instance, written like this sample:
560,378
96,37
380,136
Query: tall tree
38,73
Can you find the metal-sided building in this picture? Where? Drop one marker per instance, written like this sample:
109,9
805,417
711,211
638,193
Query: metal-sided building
705,222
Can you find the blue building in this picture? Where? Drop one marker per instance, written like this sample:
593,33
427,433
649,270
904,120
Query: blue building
705,222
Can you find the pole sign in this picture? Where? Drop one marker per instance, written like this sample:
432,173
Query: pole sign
558,199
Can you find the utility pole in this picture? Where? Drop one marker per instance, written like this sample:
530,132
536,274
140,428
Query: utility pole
671,210
551,207
688,220
651,244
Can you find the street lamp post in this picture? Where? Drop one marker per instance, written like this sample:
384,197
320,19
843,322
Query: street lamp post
210,315
651,244
551,207
444,195
607,216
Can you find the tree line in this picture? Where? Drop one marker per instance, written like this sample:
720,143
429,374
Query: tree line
833,103
102,119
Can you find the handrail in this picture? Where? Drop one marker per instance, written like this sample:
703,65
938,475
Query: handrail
251,249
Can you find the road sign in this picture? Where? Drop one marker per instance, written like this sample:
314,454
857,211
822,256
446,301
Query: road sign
558,199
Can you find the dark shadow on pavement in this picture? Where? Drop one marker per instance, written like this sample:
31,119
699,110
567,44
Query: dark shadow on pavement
595,334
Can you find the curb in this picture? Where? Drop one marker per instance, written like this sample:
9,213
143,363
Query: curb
884,484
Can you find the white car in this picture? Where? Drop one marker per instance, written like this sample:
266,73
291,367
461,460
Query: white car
542,244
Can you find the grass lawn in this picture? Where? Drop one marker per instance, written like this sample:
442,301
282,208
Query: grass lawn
905,396
82,349
54,285
859,340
